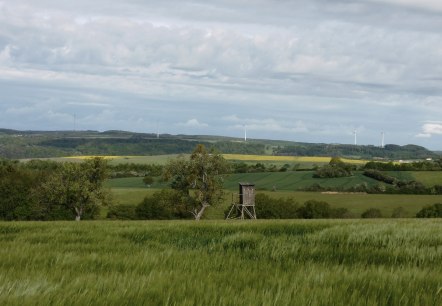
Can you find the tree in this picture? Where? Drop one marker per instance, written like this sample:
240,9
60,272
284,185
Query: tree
433,211
74,189
16,184
164,204
199,177
335,168
313,209
275,208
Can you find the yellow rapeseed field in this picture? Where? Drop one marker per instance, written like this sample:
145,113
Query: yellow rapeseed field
240,157
302,159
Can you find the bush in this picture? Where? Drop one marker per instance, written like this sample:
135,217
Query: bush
315,210
341,213
275,208
164,204
371,213
122,212
433,211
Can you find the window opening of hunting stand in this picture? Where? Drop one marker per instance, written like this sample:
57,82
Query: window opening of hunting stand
243,203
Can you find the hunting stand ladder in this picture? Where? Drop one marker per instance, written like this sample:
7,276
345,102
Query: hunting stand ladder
243,204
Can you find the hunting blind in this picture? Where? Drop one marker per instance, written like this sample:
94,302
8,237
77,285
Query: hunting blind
243,203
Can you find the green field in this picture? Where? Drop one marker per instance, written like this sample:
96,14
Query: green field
394,262
132,191
355,203
287,181
295,180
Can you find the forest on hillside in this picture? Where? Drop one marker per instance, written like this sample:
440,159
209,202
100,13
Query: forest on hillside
41,144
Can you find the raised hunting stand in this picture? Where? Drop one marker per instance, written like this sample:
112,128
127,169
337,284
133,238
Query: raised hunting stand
243,204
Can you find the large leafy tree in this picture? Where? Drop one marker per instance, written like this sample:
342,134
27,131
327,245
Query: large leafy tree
199,177
74,188
16,184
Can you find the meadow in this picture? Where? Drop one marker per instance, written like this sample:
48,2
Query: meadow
316,262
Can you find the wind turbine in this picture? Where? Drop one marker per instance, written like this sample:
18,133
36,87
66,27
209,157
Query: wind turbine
245,133
383,139
355,134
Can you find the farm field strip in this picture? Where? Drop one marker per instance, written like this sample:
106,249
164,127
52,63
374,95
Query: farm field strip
378,262
302,159
161,159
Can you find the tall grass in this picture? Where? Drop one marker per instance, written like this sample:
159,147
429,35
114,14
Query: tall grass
222,263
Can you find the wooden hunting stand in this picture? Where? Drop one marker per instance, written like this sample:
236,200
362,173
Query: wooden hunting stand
243,204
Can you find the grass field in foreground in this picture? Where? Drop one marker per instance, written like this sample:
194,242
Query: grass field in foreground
221,263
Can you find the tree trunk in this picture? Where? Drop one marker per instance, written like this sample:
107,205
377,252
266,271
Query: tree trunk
201,212
79,212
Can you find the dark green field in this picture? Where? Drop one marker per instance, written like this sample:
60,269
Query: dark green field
381,262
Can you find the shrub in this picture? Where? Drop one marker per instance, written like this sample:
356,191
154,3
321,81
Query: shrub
315,210
122,212
341,213
164,204
275,208
433,211
371,213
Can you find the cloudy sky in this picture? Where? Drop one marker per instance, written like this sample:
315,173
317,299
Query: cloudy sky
301,70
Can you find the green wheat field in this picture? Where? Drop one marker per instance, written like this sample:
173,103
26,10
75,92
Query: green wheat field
300,262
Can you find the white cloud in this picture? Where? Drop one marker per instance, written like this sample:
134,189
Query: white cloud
423,135
423,4
432,129
193,123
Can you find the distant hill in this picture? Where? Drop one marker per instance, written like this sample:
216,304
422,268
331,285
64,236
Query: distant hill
365,152
39,144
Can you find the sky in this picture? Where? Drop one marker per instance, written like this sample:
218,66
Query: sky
299,70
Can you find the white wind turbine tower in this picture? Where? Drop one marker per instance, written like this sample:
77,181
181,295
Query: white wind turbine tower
355,134
245,133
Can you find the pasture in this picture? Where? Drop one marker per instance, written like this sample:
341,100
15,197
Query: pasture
319,262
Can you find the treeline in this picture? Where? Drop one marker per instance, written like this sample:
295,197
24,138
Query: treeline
388,152
134,170
46,144
41,190
427,165
171,205
401,186
241,167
